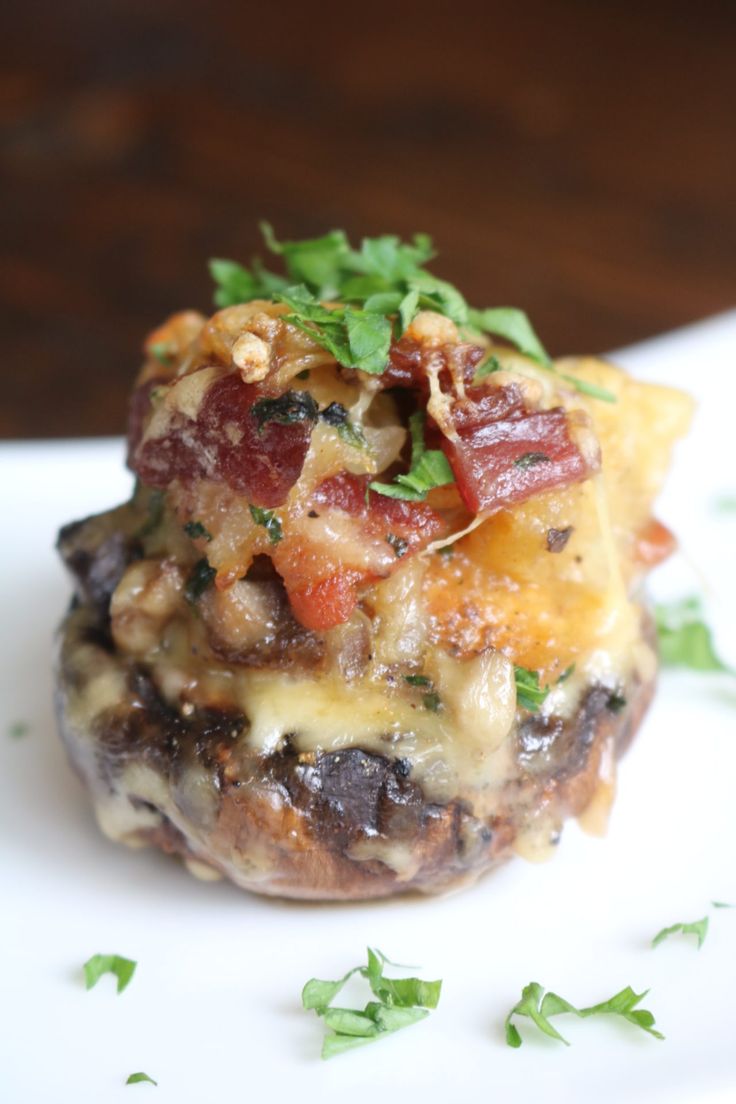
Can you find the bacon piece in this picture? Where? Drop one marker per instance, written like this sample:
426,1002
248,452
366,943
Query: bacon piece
224,444
406,363
415,522
506,453
323,578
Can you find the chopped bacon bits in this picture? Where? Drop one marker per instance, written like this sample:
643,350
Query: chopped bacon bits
495,431
323,579
415,522
207,428
225,444
406,363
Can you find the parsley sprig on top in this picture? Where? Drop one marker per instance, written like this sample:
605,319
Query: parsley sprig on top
376,291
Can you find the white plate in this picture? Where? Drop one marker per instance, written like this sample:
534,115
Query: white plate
213,1011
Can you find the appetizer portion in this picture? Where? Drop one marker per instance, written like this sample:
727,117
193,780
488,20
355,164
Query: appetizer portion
372,619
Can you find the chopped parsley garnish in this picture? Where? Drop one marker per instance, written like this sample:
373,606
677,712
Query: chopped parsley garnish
529,694
429,468
291,407
236,284
432,701
698,928
684,638
200,577
531,459
489,365
399,1003
269,521
540,1006
316,262
196,529
155,509
399,545
722,904
332,269
17,730
591,389
377,290
337,416
356,338
513,325
99,964
300,406
418,680
566,674
162,351
384,262
136,1078
352,434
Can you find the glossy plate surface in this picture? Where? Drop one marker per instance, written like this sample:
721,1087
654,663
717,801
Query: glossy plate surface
213,1011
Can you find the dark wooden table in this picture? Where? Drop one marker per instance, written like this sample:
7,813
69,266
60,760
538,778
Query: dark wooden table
577,158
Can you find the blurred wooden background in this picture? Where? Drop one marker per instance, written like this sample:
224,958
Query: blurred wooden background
574,157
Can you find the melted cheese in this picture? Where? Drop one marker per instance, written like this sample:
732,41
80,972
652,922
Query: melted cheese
594,818
503,588
465,747
187,394
399,616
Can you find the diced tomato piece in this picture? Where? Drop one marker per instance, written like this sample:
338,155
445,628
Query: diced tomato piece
327,602
226,445
506,453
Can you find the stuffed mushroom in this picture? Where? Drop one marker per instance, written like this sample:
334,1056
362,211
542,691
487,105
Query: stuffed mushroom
372,620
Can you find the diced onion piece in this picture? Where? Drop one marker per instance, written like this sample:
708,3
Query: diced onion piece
480,693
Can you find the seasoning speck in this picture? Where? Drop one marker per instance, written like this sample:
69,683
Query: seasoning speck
557,538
